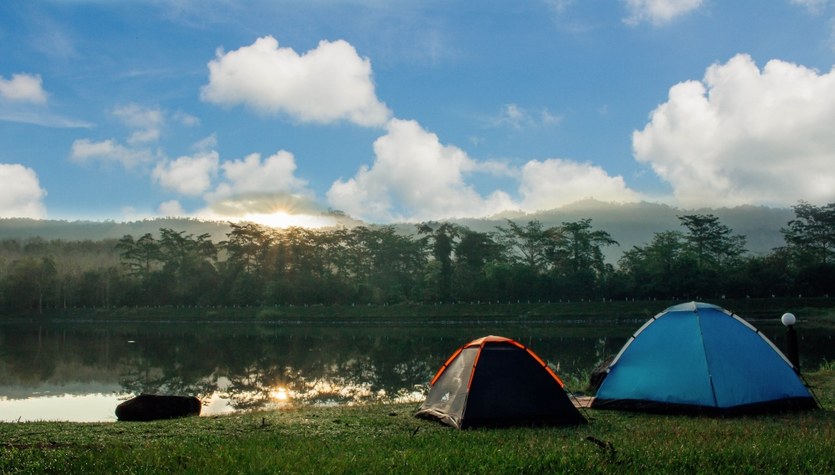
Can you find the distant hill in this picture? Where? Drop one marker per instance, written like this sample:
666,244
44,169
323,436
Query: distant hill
631,224
634,224
22,228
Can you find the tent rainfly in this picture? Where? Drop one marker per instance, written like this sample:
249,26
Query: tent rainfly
496,381
699,358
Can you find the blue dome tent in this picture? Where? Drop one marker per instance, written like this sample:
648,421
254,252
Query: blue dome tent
699,358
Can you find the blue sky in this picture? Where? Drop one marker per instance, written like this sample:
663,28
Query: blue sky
276,111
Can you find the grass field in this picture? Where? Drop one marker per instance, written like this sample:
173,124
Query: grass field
387,439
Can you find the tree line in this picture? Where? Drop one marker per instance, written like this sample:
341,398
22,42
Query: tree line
438,262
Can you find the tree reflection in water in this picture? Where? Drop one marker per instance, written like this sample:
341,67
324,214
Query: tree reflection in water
248,366
320,365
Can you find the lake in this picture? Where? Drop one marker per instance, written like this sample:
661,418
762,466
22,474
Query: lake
81,371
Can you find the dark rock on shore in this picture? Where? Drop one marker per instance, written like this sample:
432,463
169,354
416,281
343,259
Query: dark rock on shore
151,407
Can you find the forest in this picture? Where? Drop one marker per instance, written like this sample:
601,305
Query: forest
438,262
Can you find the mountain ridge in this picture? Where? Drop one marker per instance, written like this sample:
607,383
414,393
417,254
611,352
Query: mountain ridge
630,224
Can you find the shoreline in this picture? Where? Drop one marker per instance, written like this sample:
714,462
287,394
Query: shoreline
386,438
545,312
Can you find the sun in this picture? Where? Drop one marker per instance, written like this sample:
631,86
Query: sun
280,394
283,219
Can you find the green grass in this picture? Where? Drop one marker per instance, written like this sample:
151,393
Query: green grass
387,439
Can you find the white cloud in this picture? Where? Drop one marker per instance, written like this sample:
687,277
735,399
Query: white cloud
814,6
658,12
146,122
414,177
559,6
324,85
23,88
264,191
85,151
171,208
517,117
22,195
251,175
186,119
28,114
188,175
555,182
205,144
745,136
23,99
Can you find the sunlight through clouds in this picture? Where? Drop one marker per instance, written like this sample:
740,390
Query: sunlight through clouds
275,173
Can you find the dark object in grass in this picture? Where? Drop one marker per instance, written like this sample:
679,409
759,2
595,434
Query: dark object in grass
152,407
598,374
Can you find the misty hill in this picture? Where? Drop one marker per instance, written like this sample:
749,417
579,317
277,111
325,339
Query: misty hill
22,228
631,224
634,224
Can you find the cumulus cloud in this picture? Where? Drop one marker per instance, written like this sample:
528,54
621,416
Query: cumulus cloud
556,182
23,88
266,191
327,84
188,175
171,208
745,136
22,195
413,177
251,175
85,151
658,12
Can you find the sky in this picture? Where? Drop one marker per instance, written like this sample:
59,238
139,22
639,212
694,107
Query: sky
280,112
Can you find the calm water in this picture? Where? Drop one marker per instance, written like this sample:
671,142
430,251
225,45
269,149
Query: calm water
80,372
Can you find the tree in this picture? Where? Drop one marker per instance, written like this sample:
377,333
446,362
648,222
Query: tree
31,282
658,269
811,235
578,247
188,266
714,252
246,246
711,242
443,236
138,256
578,258
474,252
528,244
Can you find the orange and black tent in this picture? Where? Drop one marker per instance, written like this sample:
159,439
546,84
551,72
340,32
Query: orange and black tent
496,381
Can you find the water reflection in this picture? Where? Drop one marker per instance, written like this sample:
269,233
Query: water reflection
82,371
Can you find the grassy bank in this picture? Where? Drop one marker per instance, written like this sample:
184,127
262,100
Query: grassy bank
561,310
387,439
